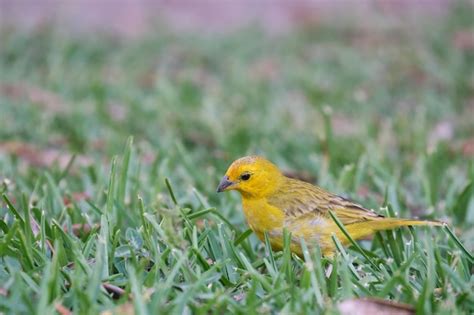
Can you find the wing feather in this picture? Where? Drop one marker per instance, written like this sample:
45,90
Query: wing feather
297,198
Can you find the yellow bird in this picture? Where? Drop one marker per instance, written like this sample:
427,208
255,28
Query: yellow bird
273,202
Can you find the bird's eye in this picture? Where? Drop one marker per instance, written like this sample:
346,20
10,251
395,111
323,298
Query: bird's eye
245,176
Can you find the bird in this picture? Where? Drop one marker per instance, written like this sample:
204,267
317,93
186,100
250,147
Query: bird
273,202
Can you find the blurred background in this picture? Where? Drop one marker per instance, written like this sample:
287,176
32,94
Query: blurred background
370,99
350,94
129,17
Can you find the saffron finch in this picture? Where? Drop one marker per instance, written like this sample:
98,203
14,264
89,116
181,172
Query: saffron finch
273,202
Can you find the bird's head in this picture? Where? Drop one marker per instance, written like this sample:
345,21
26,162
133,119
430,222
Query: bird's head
253,176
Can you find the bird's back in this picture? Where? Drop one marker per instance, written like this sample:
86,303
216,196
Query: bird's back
297,198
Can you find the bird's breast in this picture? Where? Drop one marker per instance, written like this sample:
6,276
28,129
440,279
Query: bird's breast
261,216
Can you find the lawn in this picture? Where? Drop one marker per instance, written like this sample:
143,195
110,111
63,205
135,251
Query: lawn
111,150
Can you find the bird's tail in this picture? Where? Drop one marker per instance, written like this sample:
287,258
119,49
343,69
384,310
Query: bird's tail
364,229
390,223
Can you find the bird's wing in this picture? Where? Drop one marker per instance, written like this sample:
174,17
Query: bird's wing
299,198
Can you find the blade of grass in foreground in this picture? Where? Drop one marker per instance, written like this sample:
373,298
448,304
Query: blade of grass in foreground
242,237
110,192
170,190
424,304
138,301
122,184
269,251
340,248
13,209
459,244
354,243
311,267
66,170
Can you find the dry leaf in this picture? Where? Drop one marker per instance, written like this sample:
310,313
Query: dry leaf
62,310
374,306
123,309
114,290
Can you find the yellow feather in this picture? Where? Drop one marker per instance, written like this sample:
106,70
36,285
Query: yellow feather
272,202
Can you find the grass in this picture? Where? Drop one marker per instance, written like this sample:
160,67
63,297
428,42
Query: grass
91,222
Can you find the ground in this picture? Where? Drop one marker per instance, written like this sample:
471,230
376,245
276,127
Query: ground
111,150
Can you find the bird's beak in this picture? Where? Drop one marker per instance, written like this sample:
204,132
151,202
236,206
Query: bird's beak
224,184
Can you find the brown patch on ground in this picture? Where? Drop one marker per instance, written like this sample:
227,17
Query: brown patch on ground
81,229
467,147
48,100
74,197
343,125
41,157
265,69
442,131
464,40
